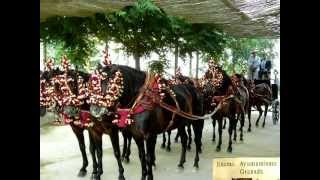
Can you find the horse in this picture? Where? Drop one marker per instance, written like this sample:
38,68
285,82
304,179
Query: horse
73,112
221,96
242,95
180,79
259,95
96,131
145,118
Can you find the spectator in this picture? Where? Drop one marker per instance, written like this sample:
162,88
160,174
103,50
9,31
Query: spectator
264,69
253,66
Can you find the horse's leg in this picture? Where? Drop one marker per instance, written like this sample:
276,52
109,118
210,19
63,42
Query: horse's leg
224,123
169,141
163,145
80,137
214,128
235,128
183,137
98,143
142,155
249,118
265,115
197,129
125,143
219,119
202,125
232,124
93,155
153,150
114,137
127,157
150,152
189,136
177,136
242,124
241,120
260,113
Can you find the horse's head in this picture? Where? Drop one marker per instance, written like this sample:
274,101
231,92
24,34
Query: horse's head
214,83
47,87
105,87
74,92
113,86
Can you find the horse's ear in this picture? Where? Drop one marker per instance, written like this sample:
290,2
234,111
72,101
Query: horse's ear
99,66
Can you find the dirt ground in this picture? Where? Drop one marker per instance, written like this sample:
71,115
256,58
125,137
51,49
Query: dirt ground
60,157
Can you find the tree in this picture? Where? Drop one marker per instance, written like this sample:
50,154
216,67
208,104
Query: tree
74,36
139,28
242,47
179,29
202,38
158,66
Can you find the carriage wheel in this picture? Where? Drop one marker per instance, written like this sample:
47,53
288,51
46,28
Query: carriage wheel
275,112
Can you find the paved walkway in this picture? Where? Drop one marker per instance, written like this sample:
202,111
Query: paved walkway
60,157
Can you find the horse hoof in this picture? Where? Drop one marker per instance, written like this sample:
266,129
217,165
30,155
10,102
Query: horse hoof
126,160
241,139
229,149
262,125
180,166
82,173
168,149
163,146
196,165
218,149
200,151
95,176
121,178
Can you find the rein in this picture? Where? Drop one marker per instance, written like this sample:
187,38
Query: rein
174,110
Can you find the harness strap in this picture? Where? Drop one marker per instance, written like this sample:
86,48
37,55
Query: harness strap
174,114
143,89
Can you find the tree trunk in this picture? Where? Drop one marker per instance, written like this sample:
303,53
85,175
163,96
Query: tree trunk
44,52
197,65
137,61
176,56
190,66
233,66
107,45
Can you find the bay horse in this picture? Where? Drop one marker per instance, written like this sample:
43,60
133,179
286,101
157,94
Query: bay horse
180,79
260,95
222,96
48,76
242,94
153,119
95,132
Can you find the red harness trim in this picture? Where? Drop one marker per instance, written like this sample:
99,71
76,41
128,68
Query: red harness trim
122,122
84,119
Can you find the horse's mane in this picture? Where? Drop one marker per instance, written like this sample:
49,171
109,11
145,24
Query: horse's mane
243,79
187,79
133,81
226,81
47,75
